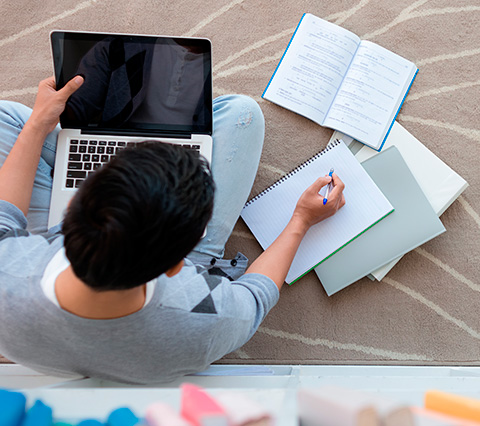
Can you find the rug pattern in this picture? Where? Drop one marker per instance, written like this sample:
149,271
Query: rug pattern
426,310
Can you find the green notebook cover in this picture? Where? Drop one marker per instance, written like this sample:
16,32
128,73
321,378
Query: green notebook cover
269,212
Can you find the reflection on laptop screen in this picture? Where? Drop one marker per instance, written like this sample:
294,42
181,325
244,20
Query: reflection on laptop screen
135,82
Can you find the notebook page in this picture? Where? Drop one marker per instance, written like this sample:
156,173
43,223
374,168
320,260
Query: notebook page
268,213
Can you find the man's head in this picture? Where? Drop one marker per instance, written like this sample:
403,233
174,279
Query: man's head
138,216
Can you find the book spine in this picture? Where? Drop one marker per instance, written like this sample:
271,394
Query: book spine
398,111
284,53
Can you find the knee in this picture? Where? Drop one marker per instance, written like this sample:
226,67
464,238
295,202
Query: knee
7,106
248,111
244,110
14,113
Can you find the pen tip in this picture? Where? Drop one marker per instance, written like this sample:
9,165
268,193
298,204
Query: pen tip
324,201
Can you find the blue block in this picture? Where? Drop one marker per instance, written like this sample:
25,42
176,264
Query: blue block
12,408
90,423
122,417
38,415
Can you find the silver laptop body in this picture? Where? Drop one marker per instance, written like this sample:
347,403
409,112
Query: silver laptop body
136,88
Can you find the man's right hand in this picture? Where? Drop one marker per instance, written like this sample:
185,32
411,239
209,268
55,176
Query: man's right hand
310,208
275,261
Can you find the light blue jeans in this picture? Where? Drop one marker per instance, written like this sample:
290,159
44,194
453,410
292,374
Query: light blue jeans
238,134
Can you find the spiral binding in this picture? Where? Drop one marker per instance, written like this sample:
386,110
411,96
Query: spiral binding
295,170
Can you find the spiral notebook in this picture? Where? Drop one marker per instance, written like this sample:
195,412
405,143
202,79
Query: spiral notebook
268,213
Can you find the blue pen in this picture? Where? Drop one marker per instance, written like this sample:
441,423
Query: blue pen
325,198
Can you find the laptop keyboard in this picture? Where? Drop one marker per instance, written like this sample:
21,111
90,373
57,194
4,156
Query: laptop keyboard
85,156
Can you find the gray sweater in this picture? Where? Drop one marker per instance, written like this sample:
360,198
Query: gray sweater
193,319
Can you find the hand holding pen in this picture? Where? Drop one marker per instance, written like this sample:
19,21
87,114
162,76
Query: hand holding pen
310,208
329,187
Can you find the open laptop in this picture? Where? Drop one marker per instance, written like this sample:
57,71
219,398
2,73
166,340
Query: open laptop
137,88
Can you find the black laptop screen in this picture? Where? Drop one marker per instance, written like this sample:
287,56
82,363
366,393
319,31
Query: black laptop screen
135,83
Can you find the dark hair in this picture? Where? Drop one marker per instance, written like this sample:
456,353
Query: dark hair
138,215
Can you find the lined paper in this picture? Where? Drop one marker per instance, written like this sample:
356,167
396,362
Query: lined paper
268,213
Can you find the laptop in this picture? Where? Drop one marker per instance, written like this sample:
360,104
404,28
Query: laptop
136,88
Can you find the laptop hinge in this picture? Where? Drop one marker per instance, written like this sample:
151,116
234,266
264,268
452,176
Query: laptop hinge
138,134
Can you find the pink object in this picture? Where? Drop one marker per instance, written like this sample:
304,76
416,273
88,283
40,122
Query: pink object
201,409
160,414
243,411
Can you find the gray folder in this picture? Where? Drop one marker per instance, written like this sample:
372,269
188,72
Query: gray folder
413,223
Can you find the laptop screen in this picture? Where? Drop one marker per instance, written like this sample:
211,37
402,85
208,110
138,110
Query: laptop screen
134,83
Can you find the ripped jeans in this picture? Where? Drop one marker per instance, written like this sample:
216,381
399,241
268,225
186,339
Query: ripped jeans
237,145
238,132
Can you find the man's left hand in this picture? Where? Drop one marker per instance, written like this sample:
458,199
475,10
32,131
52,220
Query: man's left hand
50,103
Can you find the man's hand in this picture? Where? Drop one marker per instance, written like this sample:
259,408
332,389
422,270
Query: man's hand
310,208
50,103
275,261
18,171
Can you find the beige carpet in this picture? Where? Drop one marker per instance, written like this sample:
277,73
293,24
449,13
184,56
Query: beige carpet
427,309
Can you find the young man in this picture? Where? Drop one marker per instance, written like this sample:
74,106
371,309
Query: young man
129,291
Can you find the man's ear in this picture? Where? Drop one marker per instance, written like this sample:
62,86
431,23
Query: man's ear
174,270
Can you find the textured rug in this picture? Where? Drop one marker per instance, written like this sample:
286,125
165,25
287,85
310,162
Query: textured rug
426,310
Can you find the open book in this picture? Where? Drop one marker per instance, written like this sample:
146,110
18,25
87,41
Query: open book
330,76
268,213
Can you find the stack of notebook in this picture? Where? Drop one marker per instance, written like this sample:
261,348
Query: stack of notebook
270,211
394,200
419,185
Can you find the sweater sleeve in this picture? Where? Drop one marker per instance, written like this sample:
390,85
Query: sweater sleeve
11,218
241,307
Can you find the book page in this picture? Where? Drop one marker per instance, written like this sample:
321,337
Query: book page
371,94
268,213
312,68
